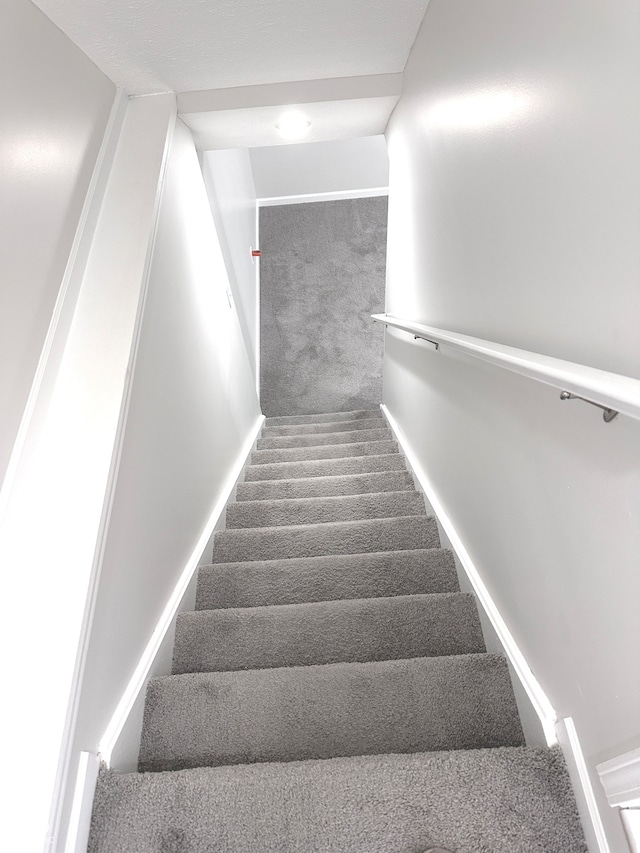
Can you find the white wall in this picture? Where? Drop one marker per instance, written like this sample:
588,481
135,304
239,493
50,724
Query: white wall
229,182
320,167
61,481
55,108
514,215
193,404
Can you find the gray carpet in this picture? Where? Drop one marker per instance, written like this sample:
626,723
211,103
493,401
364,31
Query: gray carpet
324,451
327,632
322,427
324,711
329,417
267,513
323,268
330,661
484,801
324,467
334,537
330,486
317,439
327,578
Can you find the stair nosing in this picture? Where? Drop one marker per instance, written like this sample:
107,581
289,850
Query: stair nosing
498,658
369,521
379,600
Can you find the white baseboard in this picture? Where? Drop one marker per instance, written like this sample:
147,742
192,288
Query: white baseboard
585,796
80,821
138,682
556,731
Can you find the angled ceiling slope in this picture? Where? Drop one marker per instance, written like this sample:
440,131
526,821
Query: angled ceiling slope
238,62
246,117
189,45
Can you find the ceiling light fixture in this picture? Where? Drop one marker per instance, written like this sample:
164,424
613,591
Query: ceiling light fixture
293,125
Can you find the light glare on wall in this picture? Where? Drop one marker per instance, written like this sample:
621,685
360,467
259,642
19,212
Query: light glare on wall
479,110
293,125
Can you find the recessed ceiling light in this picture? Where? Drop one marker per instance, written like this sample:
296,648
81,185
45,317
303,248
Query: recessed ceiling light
293,125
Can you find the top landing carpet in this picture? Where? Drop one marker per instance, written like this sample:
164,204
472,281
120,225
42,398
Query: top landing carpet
322,275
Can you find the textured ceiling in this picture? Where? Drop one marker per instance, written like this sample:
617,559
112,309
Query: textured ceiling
246,117
185,45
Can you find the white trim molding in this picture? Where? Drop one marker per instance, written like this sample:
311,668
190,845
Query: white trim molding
111,480
69,287
620,779
536,694
138,681
595,834
605,389
80,821
338,195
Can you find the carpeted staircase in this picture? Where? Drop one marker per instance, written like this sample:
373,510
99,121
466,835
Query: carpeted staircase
332,691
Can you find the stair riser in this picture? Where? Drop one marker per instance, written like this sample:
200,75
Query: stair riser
515,800
331,417
329,451
310,429
324,467
351,576
323,510
327,632
423,704
319,440
325,487
357,537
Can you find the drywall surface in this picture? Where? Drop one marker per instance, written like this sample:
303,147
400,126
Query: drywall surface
229,182
193,404
62,479
320,167
55,108
322,275
191,46
514,215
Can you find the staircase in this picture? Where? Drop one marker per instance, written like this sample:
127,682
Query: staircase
332,691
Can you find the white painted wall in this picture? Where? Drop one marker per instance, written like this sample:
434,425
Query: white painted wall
229,182
320,167
61,481
55,107
193,404
514,215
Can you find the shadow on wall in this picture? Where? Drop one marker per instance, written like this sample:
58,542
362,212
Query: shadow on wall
322,276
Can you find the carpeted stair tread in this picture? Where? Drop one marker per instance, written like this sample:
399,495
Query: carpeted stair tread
330,417
329,661
325,487
296,713
319,428
505,800
324,467
342,576
317,440
314,540
321,510
324,451
407,626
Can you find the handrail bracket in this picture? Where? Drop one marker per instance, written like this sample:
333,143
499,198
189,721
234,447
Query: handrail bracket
607,414
435,344
428,340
